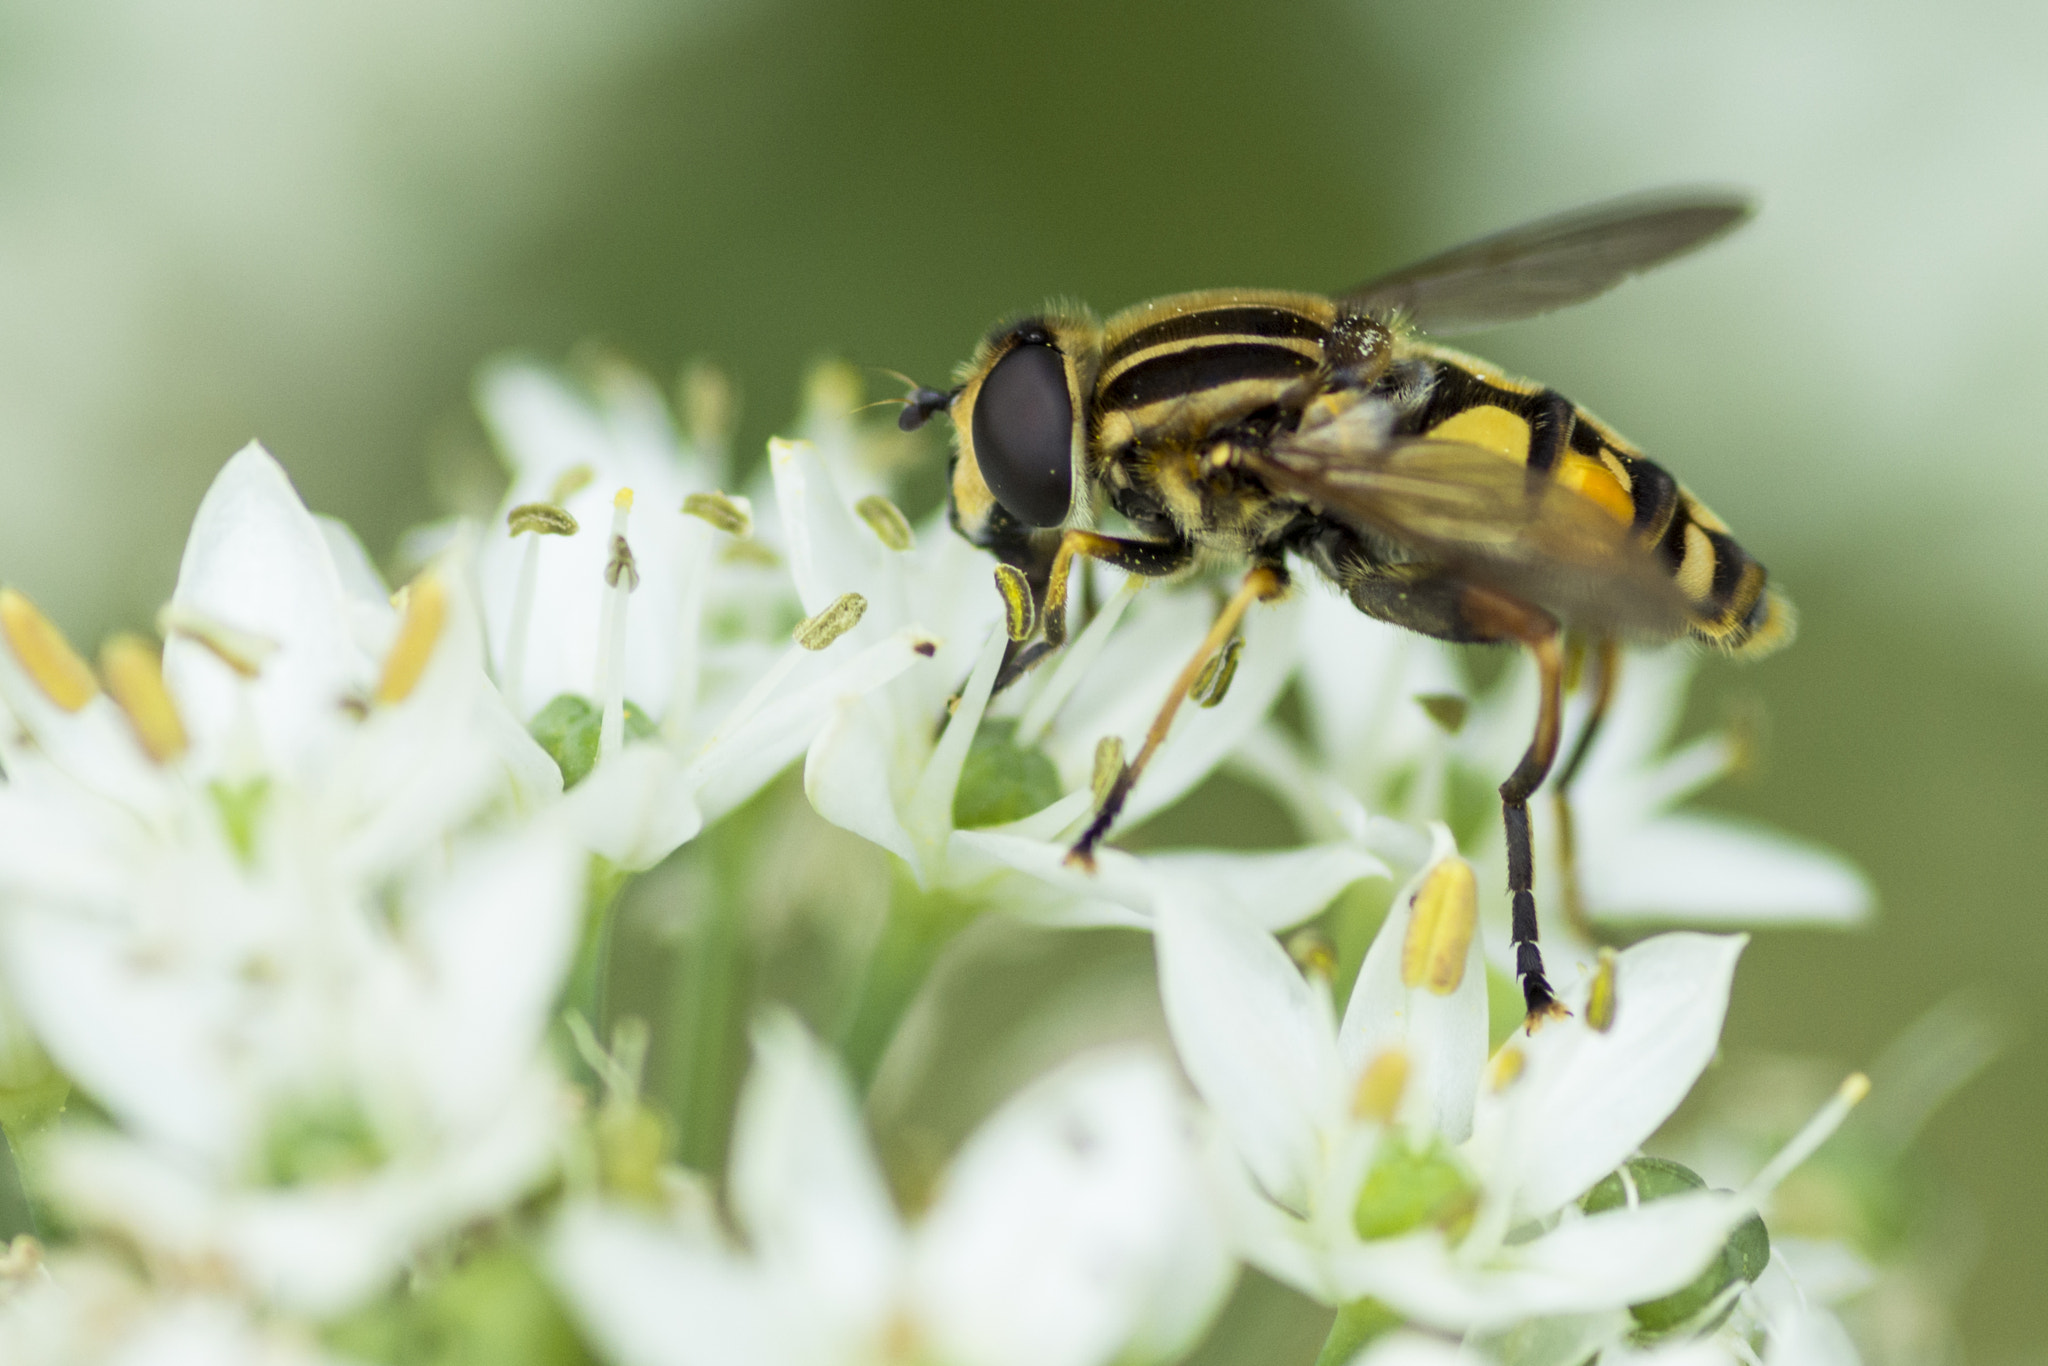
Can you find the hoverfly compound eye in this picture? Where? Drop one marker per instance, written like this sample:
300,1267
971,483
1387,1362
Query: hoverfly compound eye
1023,434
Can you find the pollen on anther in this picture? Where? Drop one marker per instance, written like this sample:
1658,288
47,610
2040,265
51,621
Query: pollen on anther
839,617
45,656
1377,1096
1440,929
623,500
135,679
419,630
1601,999
542,519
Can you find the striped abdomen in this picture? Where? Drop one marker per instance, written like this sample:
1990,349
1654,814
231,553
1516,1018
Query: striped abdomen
1451,396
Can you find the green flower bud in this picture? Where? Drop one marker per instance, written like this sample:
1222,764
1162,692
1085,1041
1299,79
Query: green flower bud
567,728
1744,1256
319,1141
1002,781
1411,1188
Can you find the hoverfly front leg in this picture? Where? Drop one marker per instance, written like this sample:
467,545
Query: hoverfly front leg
1606,665
1147,559
1263,584
1499,617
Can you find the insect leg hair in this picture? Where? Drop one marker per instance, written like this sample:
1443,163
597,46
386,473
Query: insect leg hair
1264,583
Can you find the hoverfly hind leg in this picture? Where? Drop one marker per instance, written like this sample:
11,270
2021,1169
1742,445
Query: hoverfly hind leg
1499,617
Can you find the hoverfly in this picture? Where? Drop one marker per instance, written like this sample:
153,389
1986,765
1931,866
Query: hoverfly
1436,492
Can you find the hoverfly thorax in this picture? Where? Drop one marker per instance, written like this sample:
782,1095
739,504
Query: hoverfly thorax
1021,425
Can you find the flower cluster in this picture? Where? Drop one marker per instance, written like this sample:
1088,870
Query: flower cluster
308,917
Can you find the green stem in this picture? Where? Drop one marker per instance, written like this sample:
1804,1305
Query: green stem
1358,1324
920,926
585,992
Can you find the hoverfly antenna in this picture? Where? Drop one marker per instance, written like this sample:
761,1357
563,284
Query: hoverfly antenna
922,403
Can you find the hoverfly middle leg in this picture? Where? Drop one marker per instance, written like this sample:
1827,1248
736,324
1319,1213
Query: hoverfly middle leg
1263,584
1606,666
1496,616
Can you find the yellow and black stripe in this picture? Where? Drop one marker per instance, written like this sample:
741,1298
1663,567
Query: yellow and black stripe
1462,398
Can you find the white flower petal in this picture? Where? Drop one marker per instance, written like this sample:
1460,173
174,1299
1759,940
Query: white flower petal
649,1296
1254,1036
1443,1037
1588,1099
258,562
1606,1261
1810,1338
804,1184
1072,1228
636,807
1714,870
847,777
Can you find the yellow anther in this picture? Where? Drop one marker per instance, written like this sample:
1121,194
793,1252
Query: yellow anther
542,519
841,616
623,500
571,482
1377,1096
708,404
733,516
1853,1089
45,656
135,680
426,612
1109,767
1212,684
1020,609
622,565
1440,928
1505,1068
1313,953
1601,1000
832,387
243,651
886,520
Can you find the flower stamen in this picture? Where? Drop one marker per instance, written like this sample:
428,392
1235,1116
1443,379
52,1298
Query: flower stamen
533,521
45,655
426,613
245,652
621,577
887,521
1601,998
1377,1097
135,679
841,615
1444,917
1818,1130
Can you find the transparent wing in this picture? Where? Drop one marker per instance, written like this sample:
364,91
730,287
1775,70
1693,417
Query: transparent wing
1552,262
1484,519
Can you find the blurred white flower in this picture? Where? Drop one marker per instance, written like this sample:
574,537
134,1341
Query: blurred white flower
633,613
889,765
254,905
1073,1229
85,1310
1363,1181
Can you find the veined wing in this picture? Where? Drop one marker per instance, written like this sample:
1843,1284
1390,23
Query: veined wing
1485,519
1552,262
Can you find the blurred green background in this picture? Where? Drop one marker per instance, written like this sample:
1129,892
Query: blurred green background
225,219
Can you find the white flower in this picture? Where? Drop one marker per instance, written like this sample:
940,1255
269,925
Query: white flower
256,907
643,604
1072,1229
888,765
82,1310
1318,1109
